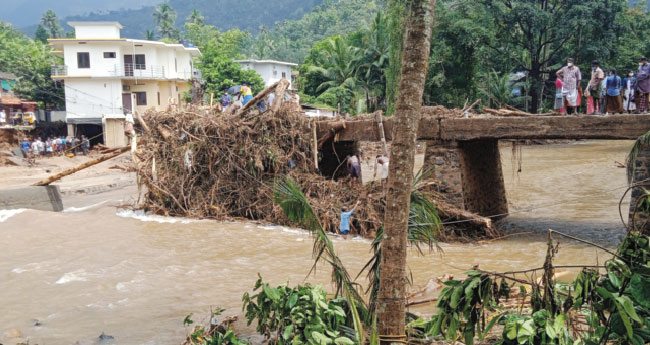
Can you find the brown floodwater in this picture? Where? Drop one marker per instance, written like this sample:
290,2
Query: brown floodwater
96,268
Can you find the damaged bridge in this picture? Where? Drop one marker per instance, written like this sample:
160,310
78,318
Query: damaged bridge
465,152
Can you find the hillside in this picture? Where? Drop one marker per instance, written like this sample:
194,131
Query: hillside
247,15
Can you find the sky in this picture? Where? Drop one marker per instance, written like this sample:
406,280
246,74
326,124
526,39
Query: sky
22,13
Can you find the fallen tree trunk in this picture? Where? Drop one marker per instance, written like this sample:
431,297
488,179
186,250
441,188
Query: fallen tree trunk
335,128
262,95
58,176
473,219
509,112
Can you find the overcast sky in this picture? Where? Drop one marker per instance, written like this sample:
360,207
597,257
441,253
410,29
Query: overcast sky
23,13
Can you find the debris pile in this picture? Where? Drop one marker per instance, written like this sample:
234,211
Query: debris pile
223,166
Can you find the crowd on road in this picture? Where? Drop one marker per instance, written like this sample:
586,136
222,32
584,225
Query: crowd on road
54,146
605,93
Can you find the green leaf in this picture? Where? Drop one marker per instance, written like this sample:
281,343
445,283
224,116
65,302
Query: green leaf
292,301
287,332
628,306
455,297
640,290
271,293
320,338
343,341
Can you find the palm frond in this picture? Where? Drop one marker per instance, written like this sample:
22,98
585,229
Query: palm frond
297,208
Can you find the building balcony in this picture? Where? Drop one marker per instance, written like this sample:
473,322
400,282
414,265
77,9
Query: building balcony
122,71
59,70
137,71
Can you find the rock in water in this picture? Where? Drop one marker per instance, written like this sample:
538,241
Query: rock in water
105,337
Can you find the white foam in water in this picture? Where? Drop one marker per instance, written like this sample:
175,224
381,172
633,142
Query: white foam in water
78,276
80,209
6,214
144,217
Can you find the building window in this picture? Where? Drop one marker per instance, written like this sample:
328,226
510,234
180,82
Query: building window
141,98
158,98
140,62
109,55
275,73
284,75
83,60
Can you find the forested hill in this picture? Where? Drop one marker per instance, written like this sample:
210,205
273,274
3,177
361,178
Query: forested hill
246,15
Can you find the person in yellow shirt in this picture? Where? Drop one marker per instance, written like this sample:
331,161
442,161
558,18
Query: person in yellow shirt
247,93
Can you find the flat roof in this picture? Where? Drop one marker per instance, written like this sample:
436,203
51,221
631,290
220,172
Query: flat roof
75,24
267,61
57,43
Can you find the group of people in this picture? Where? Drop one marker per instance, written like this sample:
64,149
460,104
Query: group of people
54,146
605,93
244,96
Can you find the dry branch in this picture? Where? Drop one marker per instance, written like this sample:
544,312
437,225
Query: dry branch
58,176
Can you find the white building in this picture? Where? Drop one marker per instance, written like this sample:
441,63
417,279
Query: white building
105,75
271,71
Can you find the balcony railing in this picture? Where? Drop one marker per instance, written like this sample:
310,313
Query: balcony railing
59,70
137,71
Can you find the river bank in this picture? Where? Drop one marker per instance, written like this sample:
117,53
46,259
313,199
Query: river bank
97,268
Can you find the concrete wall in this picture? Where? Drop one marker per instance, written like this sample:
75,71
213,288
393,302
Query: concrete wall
97,31
47,198
484,191
93,98
468,174
99,65
443,158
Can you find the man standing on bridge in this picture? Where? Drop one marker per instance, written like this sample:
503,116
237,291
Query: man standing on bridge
572,78
642,87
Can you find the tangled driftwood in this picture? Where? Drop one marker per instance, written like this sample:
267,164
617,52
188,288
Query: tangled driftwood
223,166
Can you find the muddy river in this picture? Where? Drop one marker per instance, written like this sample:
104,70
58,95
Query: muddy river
96,268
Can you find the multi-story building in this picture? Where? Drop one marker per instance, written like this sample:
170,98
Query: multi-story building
105,75
270,70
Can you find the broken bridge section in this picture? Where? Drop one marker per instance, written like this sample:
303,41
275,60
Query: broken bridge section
464,153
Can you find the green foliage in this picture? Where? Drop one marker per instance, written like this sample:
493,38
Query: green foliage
31,62
298,315
296,207
216,335
51,24
165,19
291,40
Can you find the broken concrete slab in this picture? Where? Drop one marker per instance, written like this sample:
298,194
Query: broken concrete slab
45,198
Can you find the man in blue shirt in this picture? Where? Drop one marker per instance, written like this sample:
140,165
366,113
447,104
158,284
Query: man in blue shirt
25,145
345,220
225,100
613,86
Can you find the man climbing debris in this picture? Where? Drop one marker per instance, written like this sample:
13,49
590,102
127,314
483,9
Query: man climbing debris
354,168
383,162
345,220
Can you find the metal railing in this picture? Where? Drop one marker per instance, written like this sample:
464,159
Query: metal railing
138,71
59,70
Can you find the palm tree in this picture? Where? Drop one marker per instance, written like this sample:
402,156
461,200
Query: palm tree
391,302
340,72
51,24
165,20
149,35
196,17
373,62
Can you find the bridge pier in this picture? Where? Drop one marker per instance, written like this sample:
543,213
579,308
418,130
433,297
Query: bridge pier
469,174
641,174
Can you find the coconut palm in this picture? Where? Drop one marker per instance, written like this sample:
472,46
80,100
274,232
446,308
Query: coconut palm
373,62
196,17
165,20
340,72
149,35
391,299
50,22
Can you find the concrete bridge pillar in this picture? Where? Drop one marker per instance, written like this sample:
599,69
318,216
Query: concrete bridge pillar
469,174
641,174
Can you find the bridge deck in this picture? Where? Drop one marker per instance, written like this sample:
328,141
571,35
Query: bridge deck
538,127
